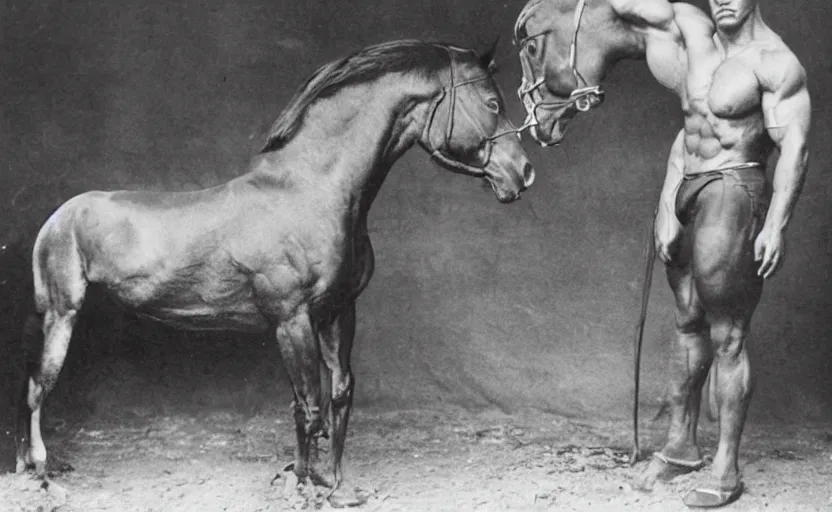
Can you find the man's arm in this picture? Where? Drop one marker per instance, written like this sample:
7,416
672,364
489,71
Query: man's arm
675,170
648,13
654,21
787,115
667,227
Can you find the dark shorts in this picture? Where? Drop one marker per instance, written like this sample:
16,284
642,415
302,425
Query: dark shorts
751,182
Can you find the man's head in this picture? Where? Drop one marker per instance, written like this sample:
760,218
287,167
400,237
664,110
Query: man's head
731,15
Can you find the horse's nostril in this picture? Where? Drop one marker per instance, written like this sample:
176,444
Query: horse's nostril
528,175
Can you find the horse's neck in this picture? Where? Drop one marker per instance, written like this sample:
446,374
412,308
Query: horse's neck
350,140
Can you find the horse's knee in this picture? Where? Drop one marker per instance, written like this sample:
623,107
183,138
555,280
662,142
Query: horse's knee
309,417
342,389
34,393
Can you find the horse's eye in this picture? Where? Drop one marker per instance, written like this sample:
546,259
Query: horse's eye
531,48
494,105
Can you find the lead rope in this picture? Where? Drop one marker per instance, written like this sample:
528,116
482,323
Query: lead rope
646,284
451,102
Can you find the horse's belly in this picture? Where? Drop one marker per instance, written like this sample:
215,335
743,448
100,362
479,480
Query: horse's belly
201,319
208,301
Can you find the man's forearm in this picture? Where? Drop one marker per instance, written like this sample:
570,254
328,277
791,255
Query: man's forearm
789,176
675,172
651,13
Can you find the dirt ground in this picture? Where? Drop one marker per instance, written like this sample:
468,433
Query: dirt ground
443,459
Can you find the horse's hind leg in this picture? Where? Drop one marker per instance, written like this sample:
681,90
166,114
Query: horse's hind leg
31,342
57,330
60,287
299,349
336,347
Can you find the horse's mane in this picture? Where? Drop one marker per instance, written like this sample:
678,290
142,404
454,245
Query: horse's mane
362,66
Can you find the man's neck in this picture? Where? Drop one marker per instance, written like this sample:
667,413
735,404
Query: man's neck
736,38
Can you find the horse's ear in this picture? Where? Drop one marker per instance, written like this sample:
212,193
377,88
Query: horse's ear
487,59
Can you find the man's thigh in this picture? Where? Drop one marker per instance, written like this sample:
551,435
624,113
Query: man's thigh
721,233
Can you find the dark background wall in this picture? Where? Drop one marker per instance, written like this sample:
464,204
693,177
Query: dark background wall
524,305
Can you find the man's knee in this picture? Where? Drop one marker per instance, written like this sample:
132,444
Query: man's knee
690,315
690,321
728,339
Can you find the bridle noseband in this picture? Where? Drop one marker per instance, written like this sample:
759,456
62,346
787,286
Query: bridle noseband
440,152
583,98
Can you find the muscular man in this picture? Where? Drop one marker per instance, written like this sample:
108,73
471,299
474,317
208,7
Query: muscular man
720,225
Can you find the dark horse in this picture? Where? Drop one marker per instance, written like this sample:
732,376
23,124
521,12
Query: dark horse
283,248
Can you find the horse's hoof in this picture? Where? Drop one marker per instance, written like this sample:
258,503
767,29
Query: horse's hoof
40,469
345,497
288,473
321,480
56,492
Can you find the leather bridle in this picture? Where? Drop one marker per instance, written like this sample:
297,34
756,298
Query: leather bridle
440,152
583,98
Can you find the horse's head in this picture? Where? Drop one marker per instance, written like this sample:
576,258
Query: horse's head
468,131
566,48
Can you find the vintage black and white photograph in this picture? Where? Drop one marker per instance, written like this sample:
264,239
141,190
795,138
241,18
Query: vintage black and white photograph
449,255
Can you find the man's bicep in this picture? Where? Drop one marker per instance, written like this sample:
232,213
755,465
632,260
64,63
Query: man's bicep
649,13
788,114
786,103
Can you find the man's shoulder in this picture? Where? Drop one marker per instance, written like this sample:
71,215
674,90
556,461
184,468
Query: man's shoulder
777,65
775,56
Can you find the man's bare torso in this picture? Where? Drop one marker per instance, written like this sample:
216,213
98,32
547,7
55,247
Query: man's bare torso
721,92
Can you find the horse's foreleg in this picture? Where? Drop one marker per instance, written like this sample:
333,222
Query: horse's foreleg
299,349
57,330
336,347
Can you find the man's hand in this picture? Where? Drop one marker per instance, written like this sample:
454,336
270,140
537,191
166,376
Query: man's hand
668,233
770,250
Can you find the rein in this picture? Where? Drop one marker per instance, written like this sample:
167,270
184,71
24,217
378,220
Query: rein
583,98
440,153
646,285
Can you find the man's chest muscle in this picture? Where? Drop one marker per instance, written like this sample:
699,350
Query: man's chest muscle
733,91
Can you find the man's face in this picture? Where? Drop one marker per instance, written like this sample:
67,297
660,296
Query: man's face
731,14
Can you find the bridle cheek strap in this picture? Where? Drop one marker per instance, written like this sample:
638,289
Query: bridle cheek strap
436,153
583,98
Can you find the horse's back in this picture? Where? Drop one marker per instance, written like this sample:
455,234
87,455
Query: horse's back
121,234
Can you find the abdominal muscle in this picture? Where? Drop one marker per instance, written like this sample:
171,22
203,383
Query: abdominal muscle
713,143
